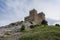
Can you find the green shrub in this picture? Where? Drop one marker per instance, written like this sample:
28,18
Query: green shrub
31,26
22,28
57,25
13,24
44,22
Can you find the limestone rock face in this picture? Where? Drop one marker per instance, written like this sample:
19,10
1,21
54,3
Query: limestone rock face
35,17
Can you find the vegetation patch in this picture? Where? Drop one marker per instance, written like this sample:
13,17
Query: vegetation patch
42,33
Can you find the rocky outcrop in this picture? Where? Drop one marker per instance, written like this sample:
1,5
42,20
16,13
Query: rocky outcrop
13,28
35,17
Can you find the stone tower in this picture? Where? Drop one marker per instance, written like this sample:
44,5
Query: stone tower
41,15
34,17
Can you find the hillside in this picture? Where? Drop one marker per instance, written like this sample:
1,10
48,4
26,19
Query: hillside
42,33
34,27
38,33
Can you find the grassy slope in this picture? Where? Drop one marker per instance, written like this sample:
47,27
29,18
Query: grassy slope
42,33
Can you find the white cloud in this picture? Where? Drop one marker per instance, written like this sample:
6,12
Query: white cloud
57,23
17,9
49,8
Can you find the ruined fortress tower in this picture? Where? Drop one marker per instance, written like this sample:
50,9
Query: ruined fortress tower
35,17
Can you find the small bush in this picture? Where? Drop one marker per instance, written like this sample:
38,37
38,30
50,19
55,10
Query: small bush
57,25
13,24
22,28
44,22
31,26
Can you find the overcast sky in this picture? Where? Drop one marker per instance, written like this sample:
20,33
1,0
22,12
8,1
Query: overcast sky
16,10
